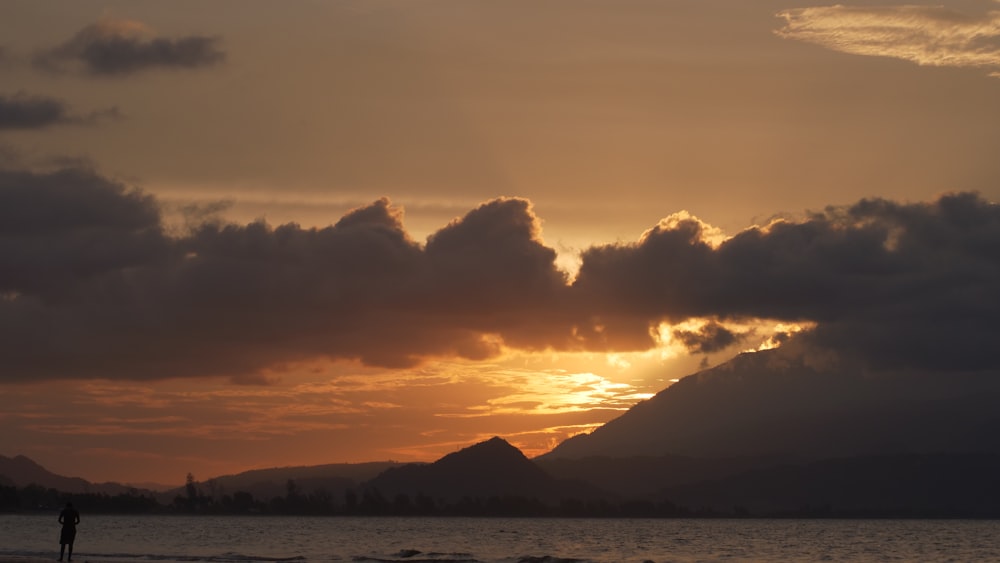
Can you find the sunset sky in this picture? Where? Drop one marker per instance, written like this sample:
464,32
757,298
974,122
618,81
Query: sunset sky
243,233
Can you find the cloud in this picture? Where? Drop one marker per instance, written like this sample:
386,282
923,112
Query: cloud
22,111
61,228
113,47
926,35
711,337
897,285
93,286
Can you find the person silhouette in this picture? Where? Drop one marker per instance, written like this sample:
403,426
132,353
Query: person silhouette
69,518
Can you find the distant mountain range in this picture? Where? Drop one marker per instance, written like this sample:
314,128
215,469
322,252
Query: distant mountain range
766,433
779,405
908,485
21,471
267,483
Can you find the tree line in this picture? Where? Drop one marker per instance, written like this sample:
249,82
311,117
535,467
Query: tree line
36,497
367,501
363,501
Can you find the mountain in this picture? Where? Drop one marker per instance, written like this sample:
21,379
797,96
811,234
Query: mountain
903,485
642,476
265,484
487,469
151,486
21,471
785,404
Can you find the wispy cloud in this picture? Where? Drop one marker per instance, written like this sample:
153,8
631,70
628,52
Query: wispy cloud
926,35
114,47
23,111
535,393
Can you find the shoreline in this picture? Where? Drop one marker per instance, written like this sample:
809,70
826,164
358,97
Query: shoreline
37,559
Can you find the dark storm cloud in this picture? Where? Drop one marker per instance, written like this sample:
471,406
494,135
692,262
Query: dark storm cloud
120,47
59,231
492,262
22,111
91,286
900,285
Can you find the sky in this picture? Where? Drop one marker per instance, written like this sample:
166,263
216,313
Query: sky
244,234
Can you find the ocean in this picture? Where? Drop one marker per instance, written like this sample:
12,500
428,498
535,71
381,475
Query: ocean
235,539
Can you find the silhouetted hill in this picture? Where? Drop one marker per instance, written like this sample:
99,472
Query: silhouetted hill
919,485
21,471
779,403
644,475
151,486
490,468
335,478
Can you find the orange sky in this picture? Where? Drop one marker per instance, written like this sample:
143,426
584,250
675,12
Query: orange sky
603,118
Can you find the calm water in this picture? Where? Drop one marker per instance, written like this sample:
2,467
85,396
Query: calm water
232,539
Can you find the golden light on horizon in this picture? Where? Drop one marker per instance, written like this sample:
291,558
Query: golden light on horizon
670,347
548,393
176,286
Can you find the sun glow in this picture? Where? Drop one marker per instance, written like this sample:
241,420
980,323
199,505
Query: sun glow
780,332
559,393
760,334
670,347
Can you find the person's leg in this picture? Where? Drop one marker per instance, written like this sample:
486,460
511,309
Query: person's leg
62,550
70,552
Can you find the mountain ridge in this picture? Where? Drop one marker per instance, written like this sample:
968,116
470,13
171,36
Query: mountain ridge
774,403
761,421
333,478
901,485
490,468
21,471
